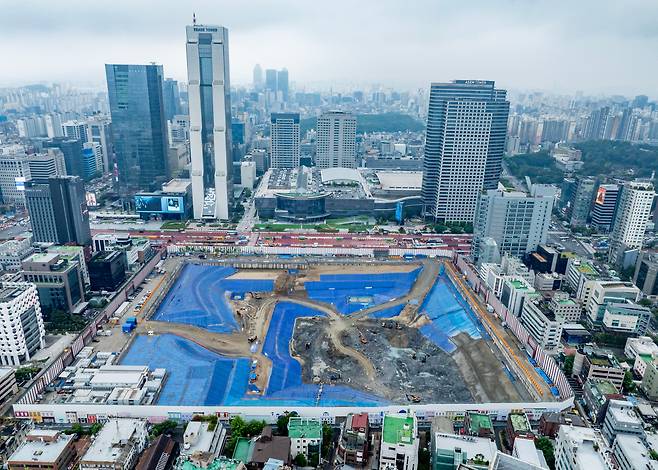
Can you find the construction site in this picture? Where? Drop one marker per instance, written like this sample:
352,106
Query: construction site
346,333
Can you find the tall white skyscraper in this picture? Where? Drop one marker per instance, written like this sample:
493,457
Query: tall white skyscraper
631,219
284,133
336,140
464,145
210,121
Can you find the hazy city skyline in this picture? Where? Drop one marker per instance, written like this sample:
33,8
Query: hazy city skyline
553,46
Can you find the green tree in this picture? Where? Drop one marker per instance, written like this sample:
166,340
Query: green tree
568,365
238,426
300,460
241,428
313,459
645,302
163,427
423,459
26,373
95,428
254,428
210,419
62,322
282,423
628,385
544,444
327,439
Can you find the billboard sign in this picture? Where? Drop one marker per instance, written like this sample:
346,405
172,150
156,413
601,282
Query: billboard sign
600,196
91,199
159,204
399,212
172,205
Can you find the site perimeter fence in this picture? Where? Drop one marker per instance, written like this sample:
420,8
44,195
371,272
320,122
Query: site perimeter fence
317,251
545,361
66,357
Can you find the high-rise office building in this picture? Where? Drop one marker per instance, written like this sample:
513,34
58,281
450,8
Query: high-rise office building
72,150
270,80
139,128
92,157
282,83
171,97
603,209
44,165
631,218
258,77
284,135
210,121
14,171
336,140
516,221
58,211
581,204
464,146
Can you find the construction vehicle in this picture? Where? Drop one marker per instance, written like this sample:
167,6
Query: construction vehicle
362,338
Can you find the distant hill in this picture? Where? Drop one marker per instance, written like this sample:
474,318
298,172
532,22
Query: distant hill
601,158
367,123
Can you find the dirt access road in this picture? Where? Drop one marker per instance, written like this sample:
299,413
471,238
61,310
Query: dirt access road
420,289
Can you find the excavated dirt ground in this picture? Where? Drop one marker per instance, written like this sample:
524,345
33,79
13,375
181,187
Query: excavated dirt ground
406,363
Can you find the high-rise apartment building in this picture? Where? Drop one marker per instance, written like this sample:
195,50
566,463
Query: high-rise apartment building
336,140
284,135
516,221
631,219
596,124
603,209
53,124
58,211
464,146
139,128
210,121
22,330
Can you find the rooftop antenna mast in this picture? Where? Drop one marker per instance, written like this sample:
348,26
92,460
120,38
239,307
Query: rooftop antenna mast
194,19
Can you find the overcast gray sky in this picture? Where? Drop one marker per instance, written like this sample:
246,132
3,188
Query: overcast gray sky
598,46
